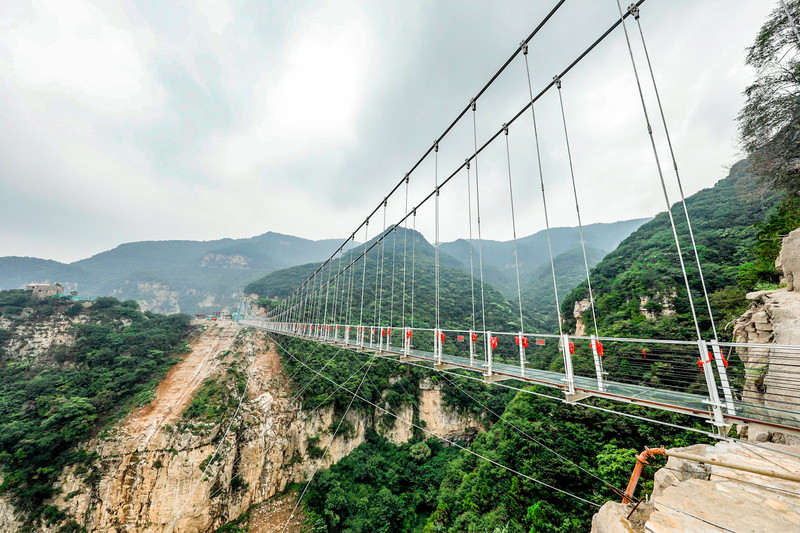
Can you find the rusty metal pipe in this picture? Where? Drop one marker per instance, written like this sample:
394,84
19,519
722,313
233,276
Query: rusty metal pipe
641,460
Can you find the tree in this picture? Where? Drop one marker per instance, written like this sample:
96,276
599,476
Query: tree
769,122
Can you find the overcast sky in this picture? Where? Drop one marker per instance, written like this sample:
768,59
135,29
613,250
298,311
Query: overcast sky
153,120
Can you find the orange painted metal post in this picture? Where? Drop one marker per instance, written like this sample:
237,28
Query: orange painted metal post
641,460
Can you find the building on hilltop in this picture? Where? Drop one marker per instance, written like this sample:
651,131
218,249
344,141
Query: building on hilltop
43,290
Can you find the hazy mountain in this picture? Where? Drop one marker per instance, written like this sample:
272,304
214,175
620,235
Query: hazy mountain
171,276
498,256
204,276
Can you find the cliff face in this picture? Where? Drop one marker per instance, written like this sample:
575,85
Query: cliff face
702,498
773,318
150,464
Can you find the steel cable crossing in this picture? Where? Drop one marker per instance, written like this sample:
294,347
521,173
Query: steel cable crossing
341,421
308,297
444,439
478,150
500,417
216,451
453,124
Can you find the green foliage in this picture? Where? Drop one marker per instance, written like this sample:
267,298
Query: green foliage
645,265
380,487
476,495
14,301
770,118
50,405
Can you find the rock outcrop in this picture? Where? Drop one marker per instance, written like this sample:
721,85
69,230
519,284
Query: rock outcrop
577,311
773,318
702,498
155,468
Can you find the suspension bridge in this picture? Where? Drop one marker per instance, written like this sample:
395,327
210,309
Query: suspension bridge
382,315
340,306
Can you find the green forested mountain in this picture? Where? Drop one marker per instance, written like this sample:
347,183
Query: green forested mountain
498,256
474,495
538,296
171,276
52,402
455,289
644,270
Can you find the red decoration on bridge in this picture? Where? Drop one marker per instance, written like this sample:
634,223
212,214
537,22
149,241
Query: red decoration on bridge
599,347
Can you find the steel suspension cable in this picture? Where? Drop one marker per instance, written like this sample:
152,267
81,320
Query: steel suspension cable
327,291
379,270
544,196
471,264
502,418
319,462
459,446
405,244
391,299
464,111
577,206
635,12
514,232
567,69
436,184
660,173
363,284
478,215
348,314
413,264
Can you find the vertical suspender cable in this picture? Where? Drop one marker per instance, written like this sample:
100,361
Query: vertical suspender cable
544,196
405,248
471,267
363,284
514,229
413,261
635,12
327,291
660,175
337,302
379,293
352,269
391,298
436,183
577,207
478,215
378,270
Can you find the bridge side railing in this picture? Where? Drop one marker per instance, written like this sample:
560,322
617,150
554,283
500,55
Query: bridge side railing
723,382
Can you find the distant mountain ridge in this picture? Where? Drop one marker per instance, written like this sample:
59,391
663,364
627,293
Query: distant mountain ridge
204,276
172,276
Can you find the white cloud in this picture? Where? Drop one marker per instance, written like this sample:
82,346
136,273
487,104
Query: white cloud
72,49
309,102
218,13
